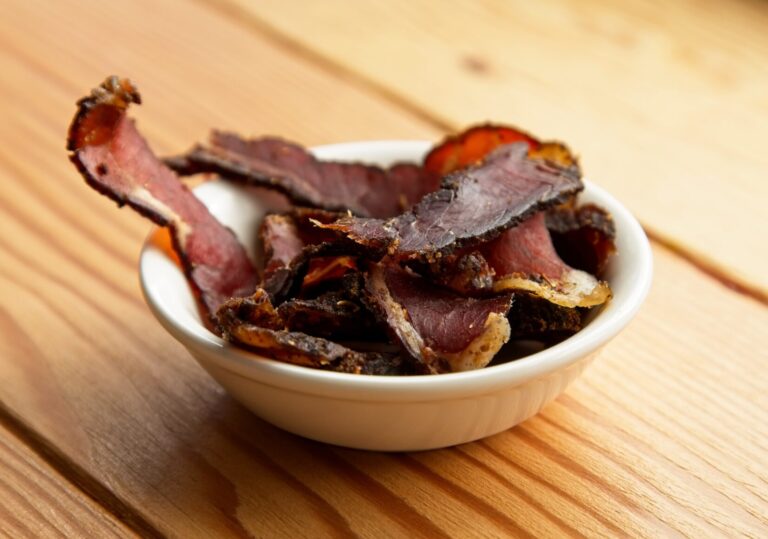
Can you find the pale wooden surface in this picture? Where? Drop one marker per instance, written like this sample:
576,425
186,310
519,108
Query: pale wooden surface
665,434
38,502
666,101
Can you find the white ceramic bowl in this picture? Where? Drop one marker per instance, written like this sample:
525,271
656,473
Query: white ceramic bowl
386,412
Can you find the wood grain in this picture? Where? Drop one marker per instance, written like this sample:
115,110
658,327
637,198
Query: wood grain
666,103
665,435
38,502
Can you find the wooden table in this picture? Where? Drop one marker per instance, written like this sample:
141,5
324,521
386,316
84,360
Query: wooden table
108,427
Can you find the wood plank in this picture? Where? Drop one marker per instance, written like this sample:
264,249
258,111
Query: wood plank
38,502
241,82
650,440
666,103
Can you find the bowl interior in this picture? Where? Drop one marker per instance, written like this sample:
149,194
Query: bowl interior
169,297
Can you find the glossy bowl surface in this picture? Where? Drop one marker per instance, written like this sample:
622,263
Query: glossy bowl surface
391,413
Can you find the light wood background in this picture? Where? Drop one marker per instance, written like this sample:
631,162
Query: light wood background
107,426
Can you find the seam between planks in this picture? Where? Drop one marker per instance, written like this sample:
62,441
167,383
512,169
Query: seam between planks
705,265
77,476
252,22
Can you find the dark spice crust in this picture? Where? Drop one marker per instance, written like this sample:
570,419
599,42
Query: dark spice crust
286,282
302,349
256,309
537,319
255,324
464,272
338,314
584,237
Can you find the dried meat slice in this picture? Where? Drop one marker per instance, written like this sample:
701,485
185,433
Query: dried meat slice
327,269
465,270
255,324
442,330
537,319
300,256
281,245
116,161
583,237
365,190
472,145
306,219
281,242
524,259
531,317
256,309
333,315
302,349
473,205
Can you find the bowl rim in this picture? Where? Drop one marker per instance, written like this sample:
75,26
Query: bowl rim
212,350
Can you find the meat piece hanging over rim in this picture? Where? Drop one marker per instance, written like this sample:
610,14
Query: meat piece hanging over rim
116,161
